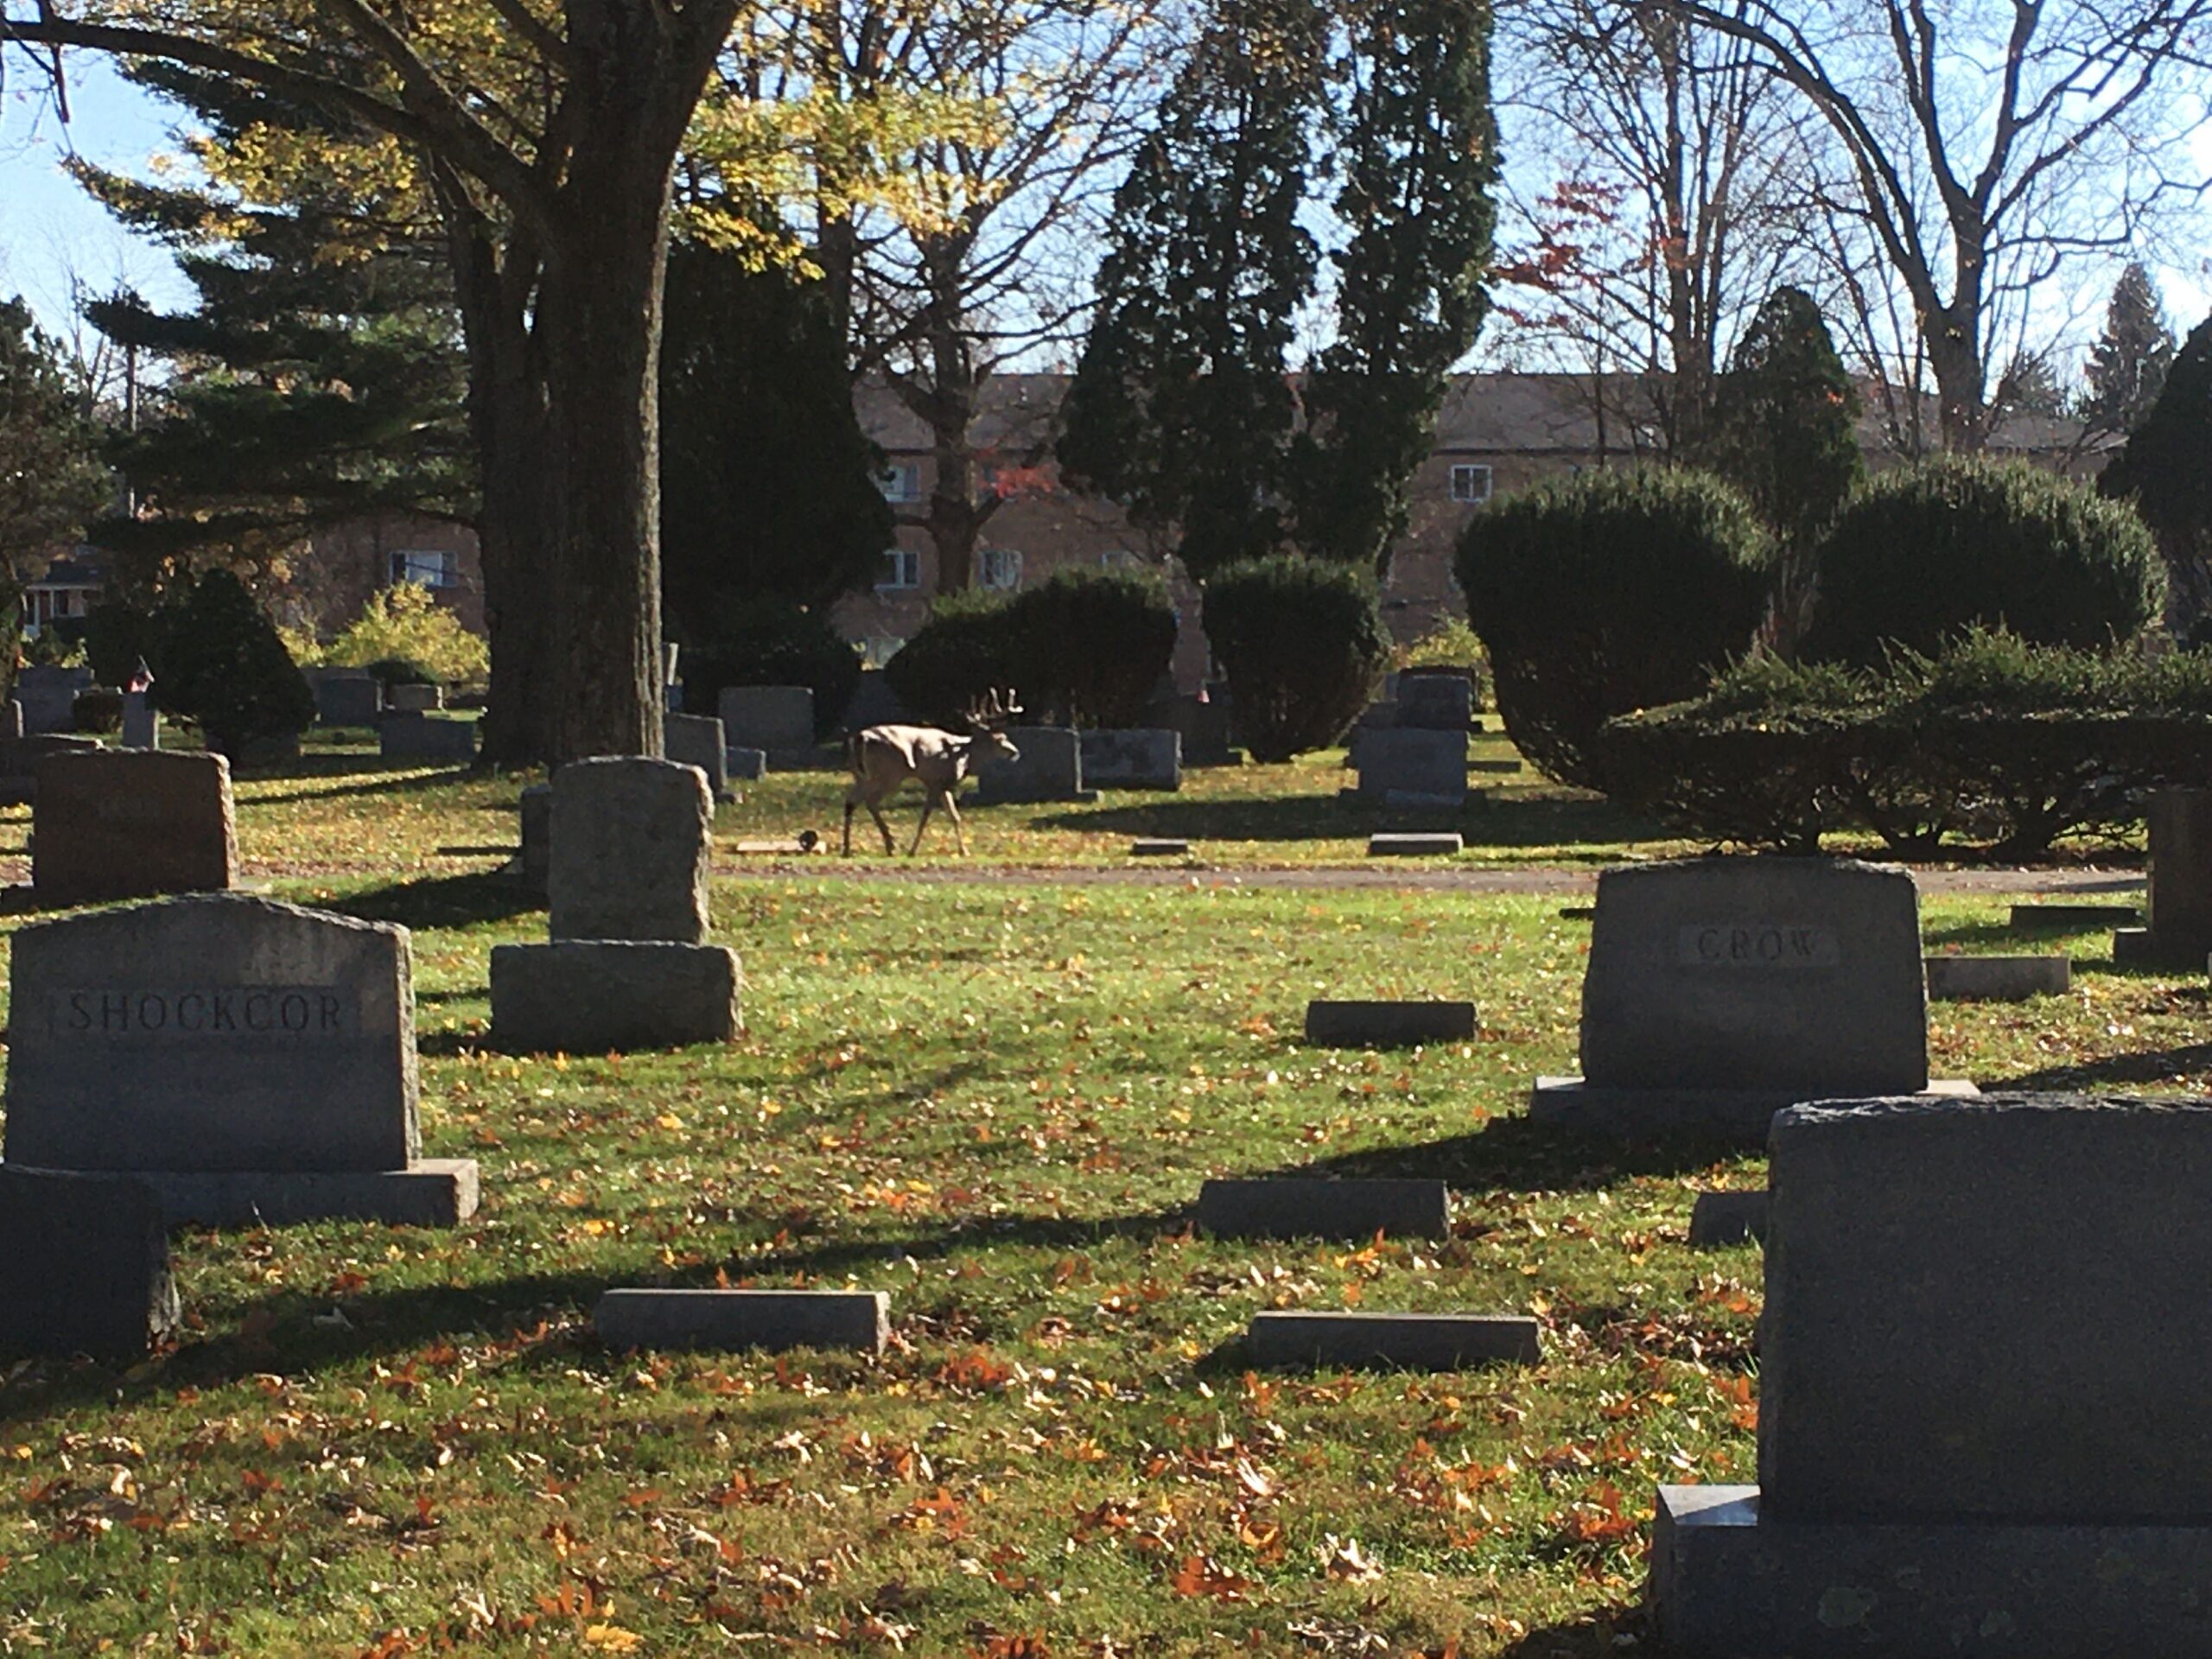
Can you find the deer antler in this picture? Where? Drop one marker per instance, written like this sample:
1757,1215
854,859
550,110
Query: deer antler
996,710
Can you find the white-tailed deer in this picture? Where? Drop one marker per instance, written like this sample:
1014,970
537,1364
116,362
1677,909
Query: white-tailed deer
884,756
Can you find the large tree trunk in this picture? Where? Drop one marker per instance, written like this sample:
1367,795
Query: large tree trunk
1954,358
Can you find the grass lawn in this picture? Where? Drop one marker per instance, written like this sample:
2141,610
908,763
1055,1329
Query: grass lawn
995,1102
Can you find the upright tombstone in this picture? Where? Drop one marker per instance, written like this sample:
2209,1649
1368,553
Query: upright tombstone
1133,758
48,696
1435,702
142,722
1050,769
778,719
627,966
631,838
1401,765
248,1060
1986,1410
698,741
345,697
84,1265
420,737
1720,990
2179,930
11,720
534,866
417,699
123,823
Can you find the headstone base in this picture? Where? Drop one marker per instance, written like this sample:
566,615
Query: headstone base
1725,1585
771,1320
2140,947
1737,1115
1310,1206
597,996
430,1192
1411,1341
1728,1218
84,1265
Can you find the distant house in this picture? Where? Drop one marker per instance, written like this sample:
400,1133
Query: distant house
70,586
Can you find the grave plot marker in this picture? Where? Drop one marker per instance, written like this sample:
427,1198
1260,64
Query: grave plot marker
1388,1024
1298,1206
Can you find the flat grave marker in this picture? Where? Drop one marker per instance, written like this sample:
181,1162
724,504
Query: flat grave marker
1398,1024
1405,845
1997,979
1157,847
732,1320
1411,1341
1319,1207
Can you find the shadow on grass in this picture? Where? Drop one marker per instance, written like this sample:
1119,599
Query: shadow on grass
1513,1154
1968,933
1507,819
2160,1066
1610,1632
442,901
375,777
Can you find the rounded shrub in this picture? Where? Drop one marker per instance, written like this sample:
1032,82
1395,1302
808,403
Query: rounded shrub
1606,593
1091,644
221,663
969,648
1920,555
97,710
388,671
772,642
1302,642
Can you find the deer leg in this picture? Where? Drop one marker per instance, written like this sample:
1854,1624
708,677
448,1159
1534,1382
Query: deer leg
958,834
890,844
928,801
849,804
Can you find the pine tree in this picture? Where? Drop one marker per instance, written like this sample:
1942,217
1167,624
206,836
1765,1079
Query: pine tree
768,485
1420,156
2129,363
1180,408
2167,470
51,478
1783,429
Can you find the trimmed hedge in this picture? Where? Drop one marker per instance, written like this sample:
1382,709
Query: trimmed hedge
955,659
2009,745
1303,645
1090,645
1920,555
1607,593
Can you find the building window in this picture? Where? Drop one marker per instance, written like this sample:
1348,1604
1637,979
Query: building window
902,568
1470,483
999,566
901,481
426,569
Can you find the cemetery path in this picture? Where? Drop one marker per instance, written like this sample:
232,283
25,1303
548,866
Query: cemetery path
1553,881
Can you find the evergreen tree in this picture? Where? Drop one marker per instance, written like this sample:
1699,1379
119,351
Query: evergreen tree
1420,158
2028,386
1180,408
2166,471
768,485
319,377
1784,430
51,480
2128,364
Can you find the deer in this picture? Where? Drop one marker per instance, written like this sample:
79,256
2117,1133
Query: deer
884,756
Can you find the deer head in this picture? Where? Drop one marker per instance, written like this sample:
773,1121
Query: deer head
987,719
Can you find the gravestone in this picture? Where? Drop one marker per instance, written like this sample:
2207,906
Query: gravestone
1720,990
696,740
11,720
1410,766
84,1265
125,824
1050,769
1159,846
1732,1218
768,1319
142,722
1410,1342
20,758
1388,1024
1317,1207
1997,979
2178,929
777,718
1986,1403
345,697
1132,758
1202,723
874,703
1435,702
1416,844
417,737
415,699
627,966
599,996
48,696
631,838
247,1059
535,866
749,766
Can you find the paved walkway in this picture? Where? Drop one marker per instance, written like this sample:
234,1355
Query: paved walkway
1377,878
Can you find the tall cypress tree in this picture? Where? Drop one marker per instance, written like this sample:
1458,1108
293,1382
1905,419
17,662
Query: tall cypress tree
2128,364
1783,429
1180,408
2166,471
1419,157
